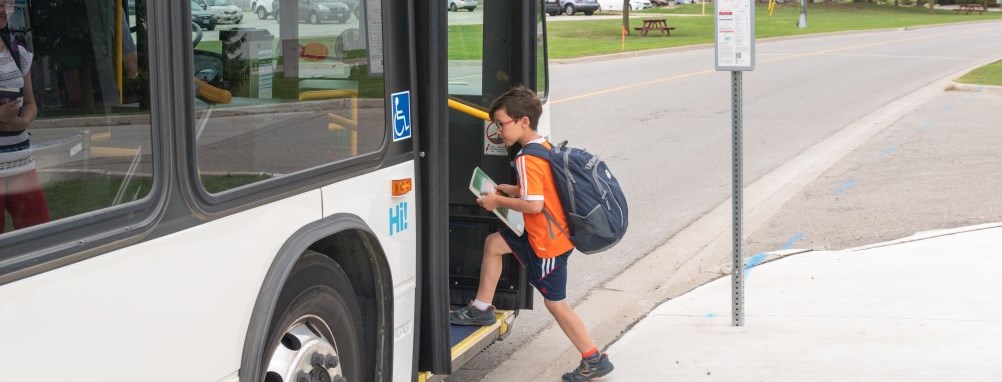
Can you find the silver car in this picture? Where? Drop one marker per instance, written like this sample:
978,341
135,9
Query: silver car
470,5
224,10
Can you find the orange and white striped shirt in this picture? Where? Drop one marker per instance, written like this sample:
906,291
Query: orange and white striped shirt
535,183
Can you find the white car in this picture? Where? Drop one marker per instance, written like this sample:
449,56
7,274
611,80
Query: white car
617,5
470,5
263,8
224,10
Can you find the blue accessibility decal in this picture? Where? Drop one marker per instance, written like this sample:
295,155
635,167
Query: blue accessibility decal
401,107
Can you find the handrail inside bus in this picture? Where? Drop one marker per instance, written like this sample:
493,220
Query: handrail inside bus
467,108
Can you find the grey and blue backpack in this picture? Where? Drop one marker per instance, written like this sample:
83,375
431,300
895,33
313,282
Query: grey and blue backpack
594,204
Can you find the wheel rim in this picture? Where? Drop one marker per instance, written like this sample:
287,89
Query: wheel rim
262,14
314,19
452,7
306,351
569,10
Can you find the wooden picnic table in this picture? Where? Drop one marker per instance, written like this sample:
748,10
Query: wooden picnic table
968,8
655,24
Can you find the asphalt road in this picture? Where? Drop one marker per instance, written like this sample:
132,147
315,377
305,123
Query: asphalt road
662,123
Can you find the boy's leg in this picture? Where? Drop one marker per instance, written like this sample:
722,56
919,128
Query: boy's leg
495,247
553,286
571,324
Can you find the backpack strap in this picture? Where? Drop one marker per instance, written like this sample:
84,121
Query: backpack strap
550,222
536,150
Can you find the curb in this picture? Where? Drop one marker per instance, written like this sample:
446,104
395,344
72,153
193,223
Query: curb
973,88
652,52
144,119
926,235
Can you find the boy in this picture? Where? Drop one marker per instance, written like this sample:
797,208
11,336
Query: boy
542,250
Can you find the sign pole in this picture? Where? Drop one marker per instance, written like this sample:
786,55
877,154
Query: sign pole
734,32
737,274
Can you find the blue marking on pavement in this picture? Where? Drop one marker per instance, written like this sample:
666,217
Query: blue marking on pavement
846,186
711,315
926,126
751,263
794,239
889,150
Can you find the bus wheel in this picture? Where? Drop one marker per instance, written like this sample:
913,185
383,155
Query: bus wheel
316,330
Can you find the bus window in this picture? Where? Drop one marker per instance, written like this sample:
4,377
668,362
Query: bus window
278,96
78,137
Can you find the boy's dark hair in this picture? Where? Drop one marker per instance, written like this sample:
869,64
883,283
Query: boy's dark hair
519,102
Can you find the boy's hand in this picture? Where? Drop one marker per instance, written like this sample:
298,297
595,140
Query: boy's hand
508,190
489,201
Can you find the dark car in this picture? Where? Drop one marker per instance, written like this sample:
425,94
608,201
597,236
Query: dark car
131,7
205,19
551,7
570,7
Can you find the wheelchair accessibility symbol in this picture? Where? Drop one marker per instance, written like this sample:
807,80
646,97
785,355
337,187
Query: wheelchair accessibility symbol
401,109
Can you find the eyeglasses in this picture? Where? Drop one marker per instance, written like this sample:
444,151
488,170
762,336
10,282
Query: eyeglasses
500,125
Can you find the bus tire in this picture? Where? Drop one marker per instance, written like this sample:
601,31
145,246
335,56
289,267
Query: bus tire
317,313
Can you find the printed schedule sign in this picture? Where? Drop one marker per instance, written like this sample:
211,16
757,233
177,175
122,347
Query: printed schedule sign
735,35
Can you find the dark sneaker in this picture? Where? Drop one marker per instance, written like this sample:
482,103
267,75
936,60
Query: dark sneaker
589,370
471,316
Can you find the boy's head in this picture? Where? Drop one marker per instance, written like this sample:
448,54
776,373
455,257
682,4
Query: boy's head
515,112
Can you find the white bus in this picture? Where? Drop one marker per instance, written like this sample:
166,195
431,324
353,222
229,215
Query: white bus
275,200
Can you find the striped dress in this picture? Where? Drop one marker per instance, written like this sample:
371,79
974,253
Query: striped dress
15,149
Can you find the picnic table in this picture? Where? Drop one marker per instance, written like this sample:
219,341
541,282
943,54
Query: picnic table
655,24
968,8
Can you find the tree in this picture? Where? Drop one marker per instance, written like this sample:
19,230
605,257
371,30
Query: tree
626,16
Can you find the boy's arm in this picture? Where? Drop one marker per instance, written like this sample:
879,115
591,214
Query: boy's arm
492,201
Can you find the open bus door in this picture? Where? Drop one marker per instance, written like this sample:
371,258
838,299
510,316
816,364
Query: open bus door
464,61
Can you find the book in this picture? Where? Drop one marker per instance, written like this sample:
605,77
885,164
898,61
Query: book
481,184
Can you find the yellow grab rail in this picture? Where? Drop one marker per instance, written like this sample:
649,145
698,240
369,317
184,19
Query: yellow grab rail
468,109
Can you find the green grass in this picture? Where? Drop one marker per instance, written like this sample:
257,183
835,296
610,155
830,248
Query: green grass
990,74
572,39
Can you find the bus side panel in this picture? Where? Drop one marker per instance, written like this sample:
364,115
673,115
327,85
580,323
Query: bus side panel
393,220
170,309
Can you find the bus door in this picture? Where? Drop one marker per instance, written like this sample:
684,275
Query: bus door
489,50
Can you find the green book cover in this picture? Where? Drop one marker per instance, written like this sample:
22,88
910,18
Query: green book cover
481,184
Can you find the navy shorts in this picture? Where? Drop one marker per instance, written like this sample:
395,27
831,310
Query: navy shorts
548,276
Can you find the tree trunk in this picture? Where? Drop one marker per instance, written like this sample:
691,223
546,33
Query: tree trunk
626,16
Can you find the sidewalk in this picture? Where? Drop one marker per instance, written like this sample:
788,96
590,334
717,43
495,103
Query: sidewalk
924,308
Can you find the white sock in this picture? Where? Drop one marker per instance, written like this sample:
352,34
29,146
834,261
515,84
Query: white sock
480,304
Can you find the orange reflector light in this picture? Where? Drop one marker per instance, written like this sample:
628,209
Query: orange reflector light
401,187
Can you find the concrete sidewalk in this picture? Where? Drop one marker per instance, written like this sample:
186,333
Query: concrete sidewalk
924,308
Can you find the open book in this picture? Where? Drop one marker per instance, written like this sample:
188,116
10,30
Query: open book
481,184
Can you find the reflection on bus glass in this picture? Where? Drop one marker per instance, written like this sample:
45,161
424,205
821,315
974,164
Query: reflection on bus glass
281,95
75,132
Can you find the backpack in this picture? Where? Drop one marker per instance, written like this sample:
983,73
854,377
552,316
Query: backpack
594,204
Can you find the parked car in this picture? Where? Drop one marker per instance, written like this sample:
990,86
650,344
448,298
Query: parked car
551,7
316,11
617,5
570,7
131,7
454,5
202,17
263,8
224,10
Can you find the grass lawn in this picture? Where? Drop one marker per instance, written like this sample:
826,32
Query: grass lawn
990,74
569,39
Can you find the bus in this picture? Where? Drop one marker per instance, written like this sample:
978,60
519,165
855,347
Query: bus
278,199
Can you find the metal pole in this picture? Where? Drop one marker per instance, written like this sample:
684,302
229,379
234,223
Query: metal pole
737,274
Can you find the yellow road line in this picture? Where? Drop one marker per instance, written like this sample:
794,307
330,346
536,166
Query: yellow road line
799,55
